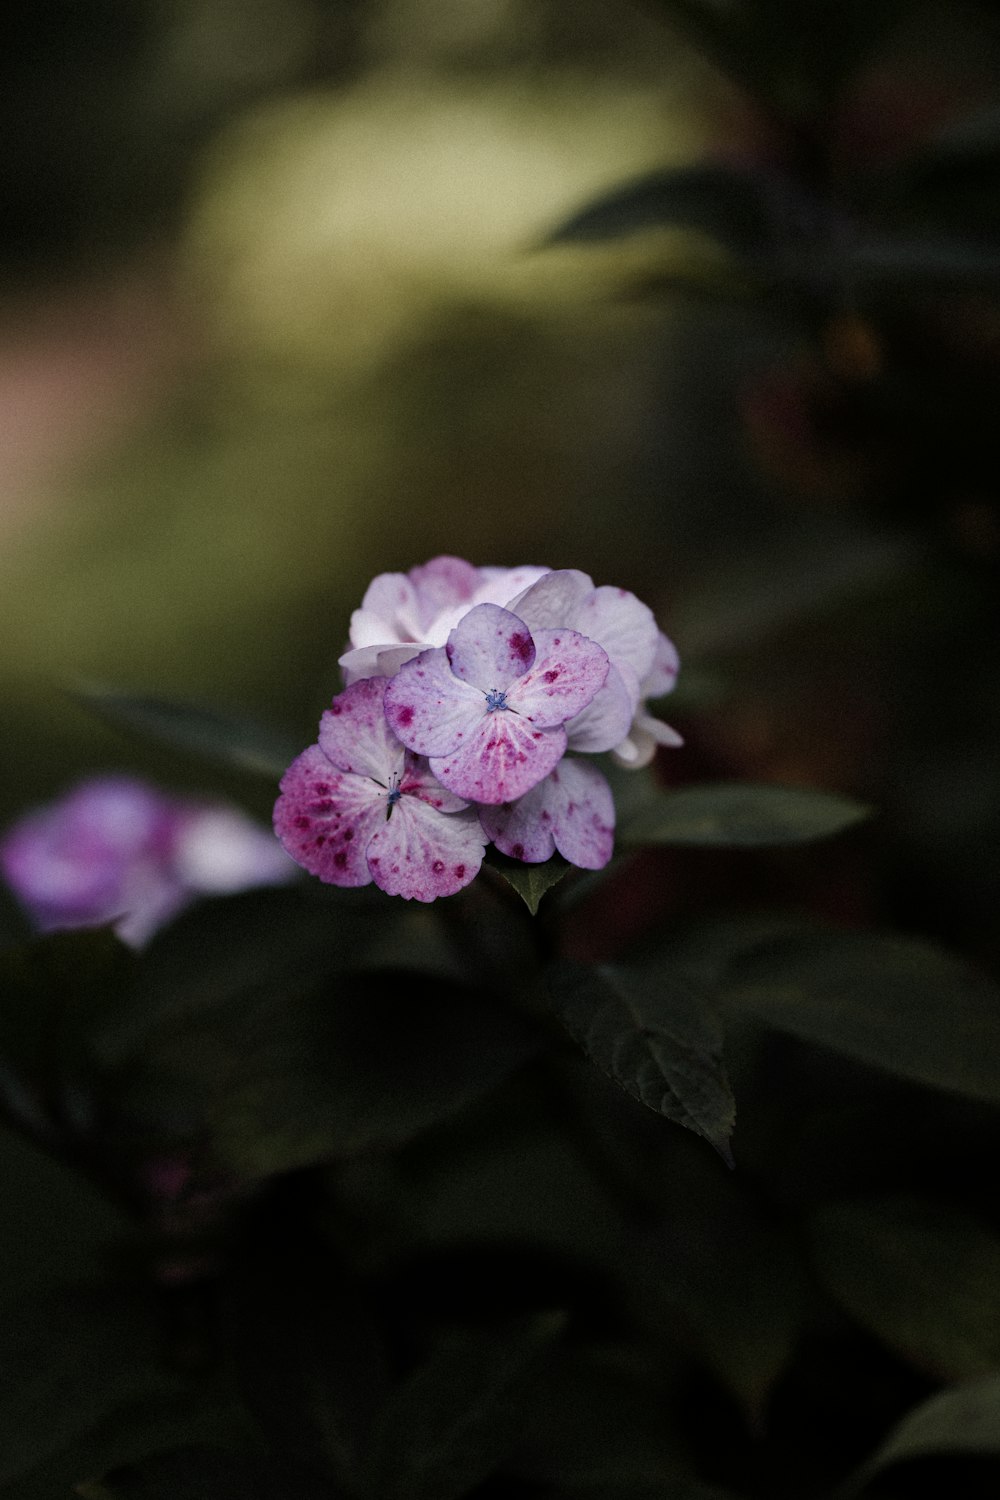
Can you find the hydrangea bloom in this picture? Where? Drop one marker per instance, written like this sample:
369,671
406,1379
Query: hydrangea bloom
466,687
358,807
489,707
115,849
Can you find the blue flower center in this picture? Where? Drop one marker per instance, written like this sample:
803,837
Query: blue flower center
495,701
394,794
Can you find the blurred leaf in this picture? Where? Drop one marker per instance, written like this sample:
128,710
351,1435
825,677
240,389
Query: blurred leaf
308,1355
961,1419
129,1434
55,993
209,734
717,1274
70,1356
14,924
314,1068
602,1418
922,1276
204,1473
741,207
41,1196
656,1035
894,1003
529,881
732,815
455,1420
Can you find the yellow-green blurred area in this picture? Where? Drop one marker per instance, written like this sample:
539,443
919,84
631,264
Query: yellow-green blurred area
280,315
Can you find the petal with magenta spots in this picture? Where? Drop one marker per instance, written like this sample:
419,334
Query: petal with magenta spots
503,758
325,818
422,854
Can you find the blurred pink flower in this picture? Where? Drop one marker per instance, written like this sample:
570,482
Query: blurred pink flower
117,850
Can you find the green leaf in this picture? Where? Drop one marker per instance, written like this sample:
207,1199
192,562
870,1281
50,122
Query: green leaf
923,1277
55,993
740,815
206,1473
656,1035
323,1066
894,1003
307,1351
209,734
128,1434
529,881
70,1357
453,1423
741,208
963,1419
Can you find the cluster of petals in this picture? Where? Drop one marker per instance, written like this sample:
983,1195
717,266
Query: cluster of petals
466,688
115,849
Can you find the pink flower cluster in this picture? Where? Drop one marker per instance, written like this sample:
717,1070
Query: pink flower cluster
117,850
466,687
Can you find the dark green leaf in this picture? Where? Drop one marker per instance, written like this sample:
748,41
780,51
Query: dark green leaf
718,1274
897,1004
308,1352
70,1357
209,734
315,1068
55,1225
129,1434
923,1277
741,208
55,994
204,1473
963,1419
529,881
452,1424
739,815
602,1418
657,1035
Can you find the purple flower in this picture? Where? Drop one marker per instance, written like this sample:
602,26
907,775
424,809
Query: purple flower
117,850
358,807
489,708
639,653
402,614
572,810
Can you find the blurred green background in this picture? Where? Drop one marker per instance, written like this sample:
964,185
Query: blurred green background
281,311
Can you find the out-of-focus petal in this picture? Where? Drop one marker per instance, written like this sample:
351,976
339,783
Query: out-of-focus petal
553,599
622,624
607,718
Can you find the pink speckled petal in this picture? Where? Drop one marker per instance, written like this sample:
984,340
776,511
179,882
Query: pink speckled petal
622,624
419,781
421,854
354,735
391,599
572,810
325,818
504,758
377,661
662,675
428,708
606,720
568,672
501,585
441,584
551,601
490,647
